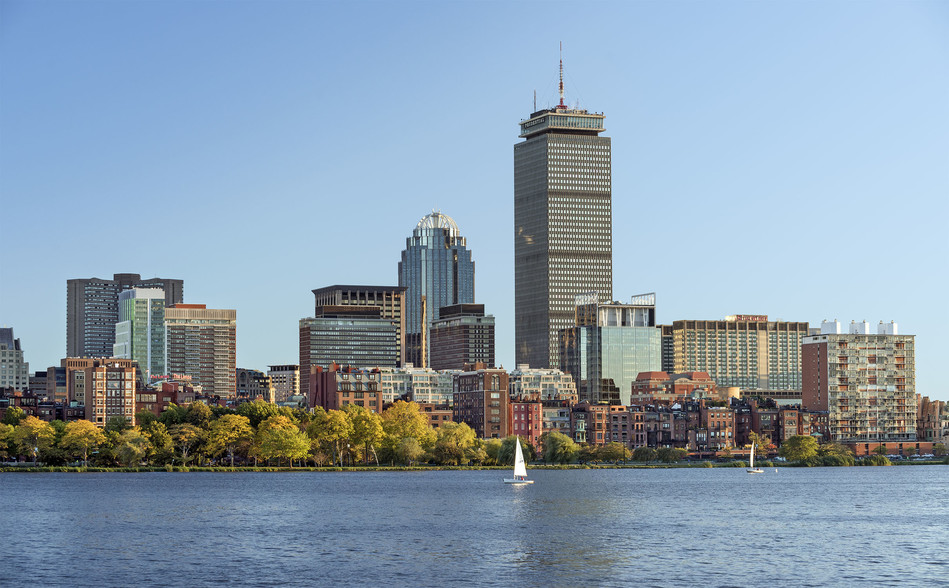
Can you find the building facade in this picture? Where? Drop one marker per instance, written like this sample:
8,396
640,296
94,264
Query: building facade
610,346
334,389
563,235
254,384
286,381
542,384
140,332
389,299
110,392
92,309
417,384
744,351
461,335
14,372
436,271
866,382
481,401
202,343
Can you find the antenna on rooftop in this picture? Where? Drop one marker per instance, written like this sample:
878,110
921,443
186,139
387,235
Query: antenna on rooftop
562,105
535,101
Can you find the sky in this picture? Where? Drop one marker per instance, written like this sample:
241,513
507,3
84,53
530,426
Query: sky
779,158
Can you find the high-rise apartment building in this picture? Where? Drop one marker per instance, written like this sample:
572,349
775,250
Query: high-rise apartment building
744,351
866,382
481,401
563,236
609,347
140,332
109,392
14,372
462,335
254,384
286,381
201,343
436,271
418,384
92,309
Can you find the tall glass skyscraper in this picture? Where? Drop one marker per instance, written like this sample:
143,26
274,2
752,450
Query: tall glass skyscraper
140,332
436,268
563,235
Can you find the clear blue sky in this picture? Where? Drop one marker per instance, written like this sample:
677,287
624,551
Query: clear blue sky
788,159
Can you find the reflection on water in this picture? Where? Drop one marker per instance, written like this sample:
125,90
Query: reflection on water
716,527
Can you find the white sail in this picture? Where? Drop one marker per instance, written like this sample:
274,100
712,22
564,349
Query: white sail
751,464
520,469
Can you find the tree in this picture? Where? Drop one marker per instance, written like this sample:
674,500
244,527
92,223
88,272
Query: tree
173,415
258,411
760,441
587,453
798,448
492,448
644,454
670,454
409,450
453,443
6,437
186,437
82,436
880,449
279,437
559,448
366,428
160,444
13,416
229,434
834,448
133,447
33,435
506,453
144,417
331,428
117,423
939,449
405,419
613,451
199,415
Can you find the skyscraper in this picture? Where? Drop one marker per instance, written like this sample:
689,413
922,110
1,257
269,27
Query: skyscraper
92,309
201,343
14,372
140,332
563,236
436,270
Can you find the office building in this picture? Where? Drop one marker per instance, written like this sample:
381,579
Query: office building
14,372
743,351
201,344
68,381
286,381
866,382
610,346
462,335
140,332
254,384
436,271
389,299
92,309
563,238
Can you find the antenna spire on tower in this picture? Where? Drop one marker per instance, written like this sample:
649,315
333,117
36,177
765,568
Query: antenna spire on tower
561,105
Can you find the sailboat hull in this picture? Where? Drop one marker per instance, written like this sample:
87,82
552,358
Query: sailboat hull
517,482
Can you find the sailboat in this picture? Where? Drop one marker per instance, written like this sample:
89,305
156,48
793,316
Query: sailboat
751,464
520,468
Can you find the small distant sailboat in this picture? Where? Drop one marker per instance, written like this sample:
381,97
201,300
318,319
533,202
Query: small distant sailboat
520,468
751,464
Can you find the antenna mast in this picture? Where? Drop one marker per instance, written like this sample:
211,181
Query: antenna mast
561,105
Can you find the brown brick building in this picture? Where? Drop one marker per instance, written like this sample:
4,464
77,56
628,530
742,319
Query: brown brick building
481,400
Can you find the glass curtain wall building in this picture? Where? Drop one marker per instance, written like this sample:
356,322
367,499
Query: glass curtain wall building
609,347
140,332
436,270
563,243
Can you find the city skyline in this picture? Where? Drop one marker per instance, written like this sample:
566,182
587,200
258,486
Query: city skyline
779,159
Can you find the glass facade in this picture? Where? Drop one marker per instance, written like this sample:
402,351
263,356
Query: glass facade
140,332
436,264
563,244
355,342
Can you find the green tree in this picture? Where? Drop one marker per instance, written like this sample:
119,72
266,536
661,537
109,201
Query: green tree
200,415
280,438
229,434
910,451
506,454
258,411
33,435
186,437
587,453
670,454
173,415
492,449
6,438
614,451
160,444
366,428
559,448
453,443
117,423
332,429
644,454
880,449
133,446
834,448
409,450
798,448
762,443
145,417
80,437
13,416
939,449
405,419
